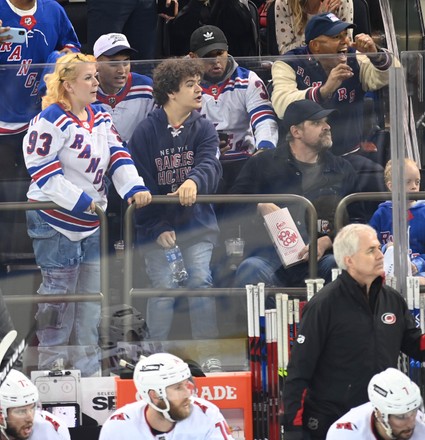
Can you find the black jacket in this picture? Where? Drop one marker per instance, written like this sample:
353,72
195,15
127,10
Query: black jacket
344,339
276,172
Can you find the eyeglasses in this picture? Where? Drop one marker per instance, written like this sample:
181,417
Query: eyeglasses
23,411
214,53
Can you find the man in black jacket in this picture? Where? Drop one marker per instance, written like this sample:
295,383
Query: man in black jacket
301,164
351,329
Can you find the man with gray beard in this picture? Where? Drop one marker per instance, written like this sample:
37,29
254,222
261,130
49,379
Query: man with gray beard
301,164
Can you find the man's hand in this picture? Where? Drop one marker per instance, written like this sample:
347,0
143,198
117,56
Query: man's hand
224,147
167,239
187,192
4,32
92,207
364,43
140,199
336,76
266,208
323,244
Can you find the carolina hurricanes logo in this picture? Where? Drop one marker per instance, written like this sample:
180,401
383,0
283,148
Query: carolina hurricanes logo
388,318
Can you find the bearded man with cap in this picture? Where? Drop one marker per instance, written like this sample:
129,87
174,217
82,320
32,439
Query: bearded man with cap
235,99
338,80
303,165
126,95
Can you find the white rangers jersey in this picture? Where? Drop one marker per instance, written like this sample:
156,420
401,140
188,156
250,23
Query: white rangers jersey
240,107
130,105
48,427
205,422
357,424
68,160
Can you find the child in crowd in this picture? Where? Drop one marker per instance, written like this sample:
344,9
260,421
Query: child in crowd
382,219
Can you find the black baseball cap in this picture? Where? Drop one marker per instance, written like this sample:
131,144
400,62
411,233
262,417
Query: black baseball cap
304,110
325,24
206,39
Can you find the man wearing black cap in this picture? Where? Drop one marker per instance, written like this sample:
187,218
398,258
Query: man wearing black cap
235,100
301,164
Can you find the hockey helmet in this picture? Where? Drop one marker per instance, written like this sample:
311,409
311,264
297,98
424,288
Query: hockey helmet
393,393
157,372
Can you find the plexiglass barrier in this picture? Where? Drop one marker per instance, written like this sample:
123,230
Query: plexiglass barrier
243,246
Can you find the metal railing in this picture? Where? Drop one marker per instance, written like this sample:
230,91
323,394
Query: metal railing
102,296
130,291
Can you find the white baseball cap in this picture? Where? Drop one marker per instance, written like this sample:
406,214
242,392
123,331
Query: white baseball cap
110,44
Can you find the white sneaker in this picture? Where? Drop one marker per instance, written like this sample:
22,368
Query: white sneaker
212,365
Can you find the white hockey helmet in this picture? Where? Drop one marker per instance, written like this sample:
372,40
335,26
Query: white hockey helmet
393,393
157,372
17,390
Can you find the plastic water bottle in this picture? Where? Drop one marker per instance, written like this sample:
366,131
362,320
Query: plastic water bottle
175,260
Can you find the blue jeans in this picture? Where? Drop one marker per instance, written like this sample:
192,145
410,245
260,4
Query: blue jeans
137,19
160,311
268,269
67,267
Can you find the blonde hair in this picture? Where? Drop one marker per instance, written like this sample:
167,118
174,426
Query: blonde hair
388,169
65,70
300,16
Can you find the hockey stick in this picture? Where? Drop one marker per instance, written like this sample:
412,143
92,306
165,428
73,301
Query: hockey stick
6,343
252,354
262,351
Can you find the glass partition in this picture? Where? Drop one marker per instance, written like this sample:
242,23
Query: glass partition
361,127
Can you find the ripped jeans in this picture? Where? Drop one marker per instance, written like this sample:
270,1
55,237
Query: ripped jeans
66,330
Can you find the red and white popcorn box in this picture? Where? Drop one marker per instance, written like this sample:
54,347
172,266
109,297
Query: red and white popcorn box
285,236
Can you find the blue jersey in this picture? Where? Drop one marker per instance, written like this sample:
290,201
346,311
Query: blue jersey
48,29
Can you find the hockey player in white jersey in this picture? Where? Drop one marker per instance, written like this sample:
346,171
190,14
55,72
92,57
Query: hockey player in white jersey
20,417
393,413
169,410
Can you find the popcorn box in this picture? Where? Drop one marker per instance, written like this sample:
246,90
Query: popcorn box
285,236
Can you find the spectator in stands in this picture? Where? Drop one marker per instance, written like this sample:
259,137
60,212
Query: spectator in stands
20,417
175,150
168,405
235,99
137,19
302,164
338,80
68,149
126,95
234,17
351,329
394,411
382,219
291,17
48,29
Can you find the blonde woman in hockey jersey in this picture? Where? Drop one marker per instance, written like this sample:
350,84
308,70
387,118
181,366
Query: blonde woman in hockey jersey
70,147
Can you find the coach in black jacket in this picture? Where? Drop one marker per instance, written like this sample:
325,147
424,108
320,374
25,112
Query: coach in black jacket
353,328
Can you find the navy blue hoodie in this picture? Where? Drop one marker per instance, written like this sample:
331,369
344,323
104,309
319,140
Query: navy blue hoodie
165,157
